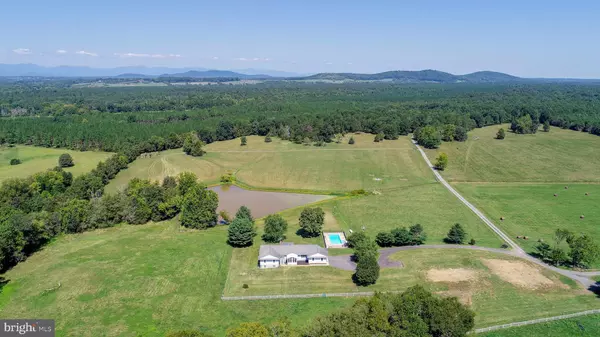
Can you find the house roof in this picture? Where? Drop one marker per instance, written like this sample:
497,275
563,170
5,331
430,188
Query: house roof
283,250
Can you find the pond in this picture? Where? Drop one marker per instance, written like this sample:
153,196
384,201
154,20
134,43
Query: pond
261,203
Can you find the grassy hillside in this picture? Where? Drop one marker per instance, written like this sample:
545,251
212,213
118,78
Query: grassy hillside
139,280
284,165
555,156
149,279
533,210
585,326
37,159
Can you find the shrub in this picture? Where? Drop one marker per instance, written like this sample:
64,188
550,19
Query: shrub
351,141
245,286
358,192
187,333
379,138
243,141
500,134
441,162
65,160
456,234
384,239
504,246
15,161
417,235
268,139
227,178
472,242
225,216
320,143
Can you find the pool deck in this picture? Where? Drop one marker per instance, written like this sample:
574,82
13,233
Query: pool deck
329,244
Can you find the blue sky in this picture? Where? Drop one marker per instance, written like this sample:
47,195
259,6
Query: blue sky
526,38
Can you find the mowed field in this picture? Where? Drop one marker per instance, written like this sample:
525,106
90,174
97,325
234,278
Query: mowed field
37,159
140,281
584,326
532,210
146,280
499,288
288,166
516,178
555,156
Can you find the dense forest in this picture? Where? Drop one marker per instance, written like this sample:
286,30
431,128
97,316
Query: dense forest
114,119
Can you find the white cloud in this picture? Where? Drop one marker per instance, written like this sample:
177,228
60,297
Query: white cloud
22,51
253,59
61,51
156,56
328,63
215,57
349,63
83,52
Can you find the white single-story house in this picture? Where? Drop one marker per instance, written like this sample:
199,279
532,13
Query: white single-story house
273,256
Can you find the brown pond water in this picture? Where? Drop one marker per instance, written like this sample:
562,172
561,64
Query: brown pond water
260,203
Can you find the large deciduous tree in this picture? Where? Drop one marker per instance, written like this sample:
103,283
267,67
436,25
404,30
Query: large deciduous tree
275,228
199,208
311,221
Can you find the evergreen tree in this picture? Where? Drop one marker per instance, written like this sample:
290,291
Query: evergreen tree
241,232
456,234
244,212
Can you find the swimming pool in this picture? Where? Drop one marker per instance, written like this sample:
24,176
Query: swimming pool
335,239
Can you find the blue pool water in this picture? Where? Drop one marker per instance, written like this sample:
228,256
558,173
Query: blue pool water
335,239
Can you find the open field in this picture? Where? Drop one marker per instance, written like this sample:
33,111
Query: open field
532,209
585,326
499,288
284,165
140,280
37,159
555,156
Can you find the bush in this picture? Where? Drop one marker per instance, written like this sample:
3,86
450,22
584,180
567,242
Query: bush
311,221
245,286
15,161
241,232
472,242
456,234
275,228
379,138
65,160
441,162
320,143
227,178
351,141
268,139
243,141
385,239
355,193
500,134
225,216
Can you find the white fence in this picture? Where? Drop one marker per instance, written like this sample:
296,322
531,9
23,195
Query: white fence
535,321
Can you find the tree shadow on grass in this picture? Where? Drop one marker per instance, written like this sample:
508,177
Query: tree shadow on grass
301,232
595,288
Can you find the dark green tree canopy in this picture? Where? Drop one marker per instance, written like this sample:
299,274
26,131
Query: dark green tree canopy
311,221
275,228
456,235
65,160
241,232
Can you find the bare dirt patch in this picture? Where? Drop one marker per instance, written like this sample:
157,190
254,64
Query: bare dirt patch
518,273
464,297
451,275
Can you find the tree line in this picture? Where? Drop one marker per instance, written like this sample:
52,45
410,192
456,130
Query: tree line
115,119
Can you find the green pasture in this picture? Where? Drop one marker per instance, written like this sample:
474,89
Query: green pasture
37,159
584,326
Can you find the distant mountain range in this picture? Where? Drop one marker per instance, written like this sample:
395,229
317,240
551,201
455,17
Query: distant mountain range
421,76
15,70
397,76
